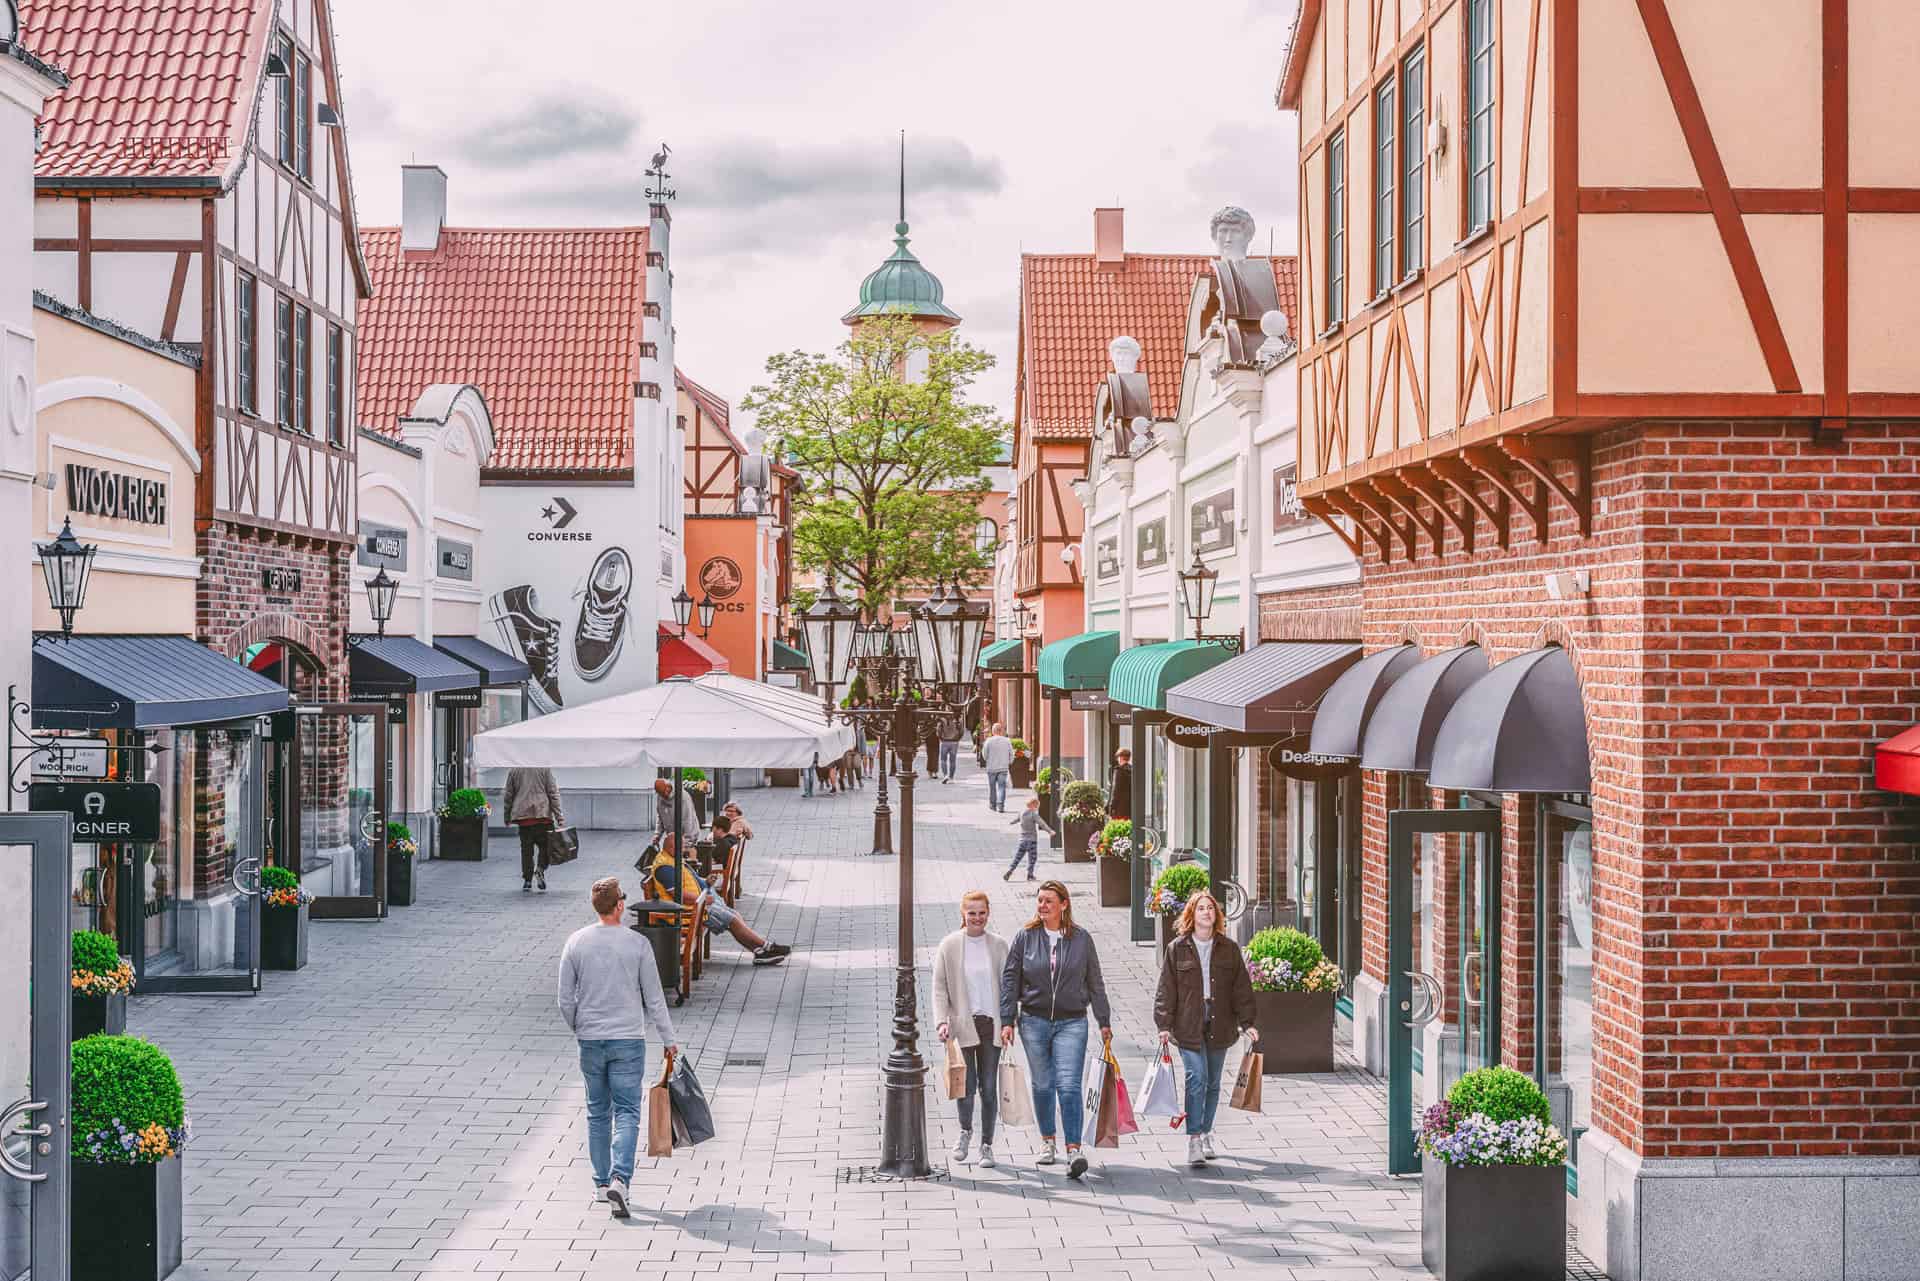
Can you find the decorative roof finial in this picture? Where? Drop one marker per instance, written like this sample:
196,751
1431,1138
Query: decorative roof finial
903,182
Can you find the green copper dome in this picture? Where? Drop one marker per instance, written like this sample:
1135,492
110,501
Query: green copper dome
900,286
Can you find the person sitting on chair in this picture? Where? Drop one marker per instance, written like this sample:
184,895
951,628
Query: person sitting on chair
737,821
721,919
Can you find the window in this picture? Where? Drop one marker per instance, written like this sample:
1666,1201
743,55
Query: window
1413,183
302,370
1386,165
986,535
303,121
336,385
1479,114
1336,228
284,103
283,360
246,357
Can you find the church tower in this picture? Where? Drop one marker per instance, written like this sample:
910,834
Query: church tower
902,286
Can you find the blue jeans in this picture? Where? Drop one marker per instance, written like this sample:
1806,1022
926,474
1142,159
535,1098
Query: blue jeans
616,1073
806,781
1029,850
949,758
996,789
1203,1069
1056,1059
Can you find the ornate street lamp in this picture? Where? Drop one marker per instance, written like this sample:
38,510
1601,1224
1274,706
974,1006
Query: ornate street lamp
67,563
707,608
1197,586
682,609
380,594
829,625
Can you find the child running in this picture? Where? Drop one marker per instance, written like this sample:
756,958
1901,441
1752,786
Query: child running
1029,821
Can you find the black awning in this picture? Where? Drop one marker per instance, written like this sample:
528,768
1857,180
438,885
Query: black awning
496,666
1519,728
1401,732
1270,689
1349,705
379,666
143,682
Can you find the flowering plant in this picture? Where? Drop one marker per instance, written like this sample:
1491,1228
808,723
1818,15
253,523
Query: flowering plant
283,888
1115,839
1277,974
465,802
1492,1116
126,1104
1083,801
1173,887
98,967
121,1146
400,840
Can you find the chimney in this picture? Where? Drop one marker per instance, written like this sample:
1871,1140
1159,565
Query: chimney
1110,239
423,206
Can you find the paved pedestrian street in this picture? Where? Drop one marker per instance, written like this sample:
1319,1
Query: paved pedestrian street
410,1105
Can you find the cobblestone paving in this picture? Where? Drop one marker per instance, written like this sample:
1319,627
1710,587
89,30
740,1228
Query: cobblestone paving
410,1105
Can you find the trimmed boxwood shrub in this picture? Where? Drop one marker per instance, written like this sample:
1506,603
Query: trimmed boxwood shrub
95,953
126,1103
465,802
1284,943
1182,880
1083,800
278,878
1502,1094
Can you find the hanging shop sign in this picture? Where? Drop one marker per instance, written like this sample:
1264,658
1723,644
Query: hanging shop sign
1291,758
73,757
396,709
455,560
381,546
1106,558
1182,732
1287,511
1087,700
1119,714
457,698
1213,522
1150,544
280,582
102,812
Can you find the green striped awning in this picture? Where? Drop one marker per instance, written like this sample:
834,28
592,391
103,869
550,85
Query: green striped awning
1141,676
788,659
1079,662
1002,656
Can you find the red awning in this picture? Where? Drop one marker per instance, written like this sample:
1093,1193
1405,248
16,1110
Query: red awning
1896,763
688,655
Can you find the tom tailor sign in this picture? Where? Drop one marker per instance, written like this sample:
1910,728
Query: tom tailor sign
102,812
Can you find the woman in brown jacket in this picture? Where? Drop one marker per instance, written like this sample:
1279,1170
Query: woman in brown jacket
1204,1001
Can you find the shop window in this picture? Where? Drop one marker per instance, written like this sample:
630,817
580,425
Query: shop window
1563,1003
246,327
1197,766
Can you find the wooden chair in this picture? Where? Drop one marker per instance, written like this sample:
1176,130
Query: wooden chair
736,858
693,930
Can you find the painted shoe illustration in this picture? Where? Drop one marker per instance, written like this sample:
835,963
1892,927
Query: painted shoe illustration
602,627
533,637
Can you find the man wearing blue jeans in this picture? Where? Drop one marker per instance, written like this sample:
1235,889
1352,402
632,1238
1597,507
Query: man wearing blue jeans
996,754
609,992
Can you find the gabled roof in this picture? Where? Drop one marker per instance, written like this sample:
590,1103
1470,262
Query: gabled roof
1294,66
717,410
546,322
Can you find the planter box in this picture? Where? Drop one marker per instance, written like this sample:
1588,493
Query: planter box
464,839
699,804
1116,882
1493,1222
93,1014
1164,932
283,937
1021,772
1296,1031
1079,834
400,879
1046,809
126,1221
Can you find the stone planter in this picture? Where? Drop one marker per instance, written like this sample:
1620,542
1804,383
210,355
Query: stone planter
699,804
400,879
1079,835
283,937
464,839
1493,1222
1165,931
126,1221
1021,773
93,1014
1116,882
1296,1031
1046,809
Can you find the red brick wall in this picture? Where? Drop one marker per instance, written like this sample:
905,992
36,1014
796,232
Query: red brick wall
1318,613
1752,630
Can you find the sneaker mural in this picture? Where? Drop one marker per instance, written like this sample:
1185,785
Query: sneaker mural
601,629
534,638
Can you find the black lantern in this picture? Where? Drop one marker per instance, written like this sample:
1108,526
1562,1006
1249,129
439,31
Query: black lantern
1197,586
380,594
67,563
959,630
829,624
907,650
706,614
682,609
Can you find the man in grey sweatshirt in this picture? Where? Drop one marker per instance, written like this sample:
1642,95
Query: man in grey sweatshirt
609,992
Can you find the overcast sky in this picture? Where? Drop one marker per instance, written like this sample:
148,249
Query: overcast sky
1021,117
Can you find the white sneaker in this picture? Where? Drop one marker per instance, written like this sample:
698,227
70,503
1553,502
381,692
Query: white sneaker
1196,1156
986,1156
599,1192
1048,1154
1206,1146
617,1198
960,1148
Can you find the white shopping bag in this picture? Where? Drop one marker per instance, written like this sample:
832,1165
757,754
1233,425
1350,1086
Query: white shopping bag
1160,1090
1016,1098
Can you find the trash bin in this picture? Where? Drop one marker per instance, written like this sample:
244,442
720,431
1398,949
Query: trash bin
659,922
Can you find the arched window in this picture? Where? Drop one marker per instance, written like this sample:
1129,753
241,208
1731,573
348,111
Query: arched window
986,534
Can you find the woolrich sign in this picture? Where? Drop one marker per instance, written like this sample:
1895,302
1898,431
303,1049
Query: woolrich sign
112,495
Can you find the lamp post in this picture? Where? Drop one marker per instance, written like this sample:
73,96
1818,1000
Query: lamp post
380,594
1197,586
67,564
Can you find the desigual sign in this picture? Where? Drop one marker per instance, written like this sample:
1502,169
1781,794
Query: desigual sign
115,495
1292,759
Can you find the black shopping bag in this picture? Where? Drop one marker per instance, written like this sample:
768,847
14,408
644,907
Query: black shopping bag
692,1118
563,846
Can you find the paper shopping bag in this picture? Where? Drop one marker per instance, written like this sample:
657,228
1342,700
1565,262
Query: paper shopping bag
1016,1099
1160,1091
1246,1086
956,1071
660,1115
1122,1102
1104,1116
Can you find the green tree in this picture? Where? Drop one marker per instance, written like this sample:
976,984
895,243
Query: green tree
891,455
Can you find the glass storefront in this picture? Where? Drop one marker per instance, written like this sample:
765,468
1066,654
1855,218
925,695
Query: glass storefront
1564,1002
1196,766
1156,779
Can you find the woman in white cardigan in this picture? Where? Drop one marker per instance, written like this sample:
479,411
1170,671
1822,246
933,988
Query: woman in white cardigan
966,1000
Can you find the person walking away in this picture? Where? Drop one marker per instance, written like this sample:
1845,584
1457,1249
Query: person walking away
950,734
532,800
609,992
688,826
1120,786
806,778
966,1000
1052,978
721,919
1204,1001
996,755
1029,821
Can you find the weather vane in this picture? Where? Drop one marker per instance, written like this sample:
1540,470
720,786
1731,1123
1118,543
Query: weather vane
657,170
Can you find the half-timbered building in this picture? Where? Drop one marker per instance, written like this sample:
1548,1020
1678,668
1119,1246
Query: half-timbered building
1603,375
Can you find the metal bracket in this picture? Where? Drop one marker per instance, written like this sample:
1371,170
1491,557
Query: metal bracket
24,744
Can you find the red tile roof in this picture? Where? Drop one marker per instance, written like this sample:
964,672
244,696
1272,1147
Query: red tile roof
546,322
160,88
1070,310
716,409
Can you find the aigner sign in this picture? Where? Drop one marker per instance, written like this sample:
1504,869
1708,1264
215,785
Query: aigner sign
102,812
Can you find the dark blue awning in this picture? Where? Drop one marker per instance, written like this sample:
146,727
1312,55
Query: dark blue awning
496,666
379,666
143,682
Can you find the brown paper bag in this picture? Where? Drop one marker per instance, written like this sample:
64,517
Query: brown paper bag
660,1116
1106,1120
1246,1086
956,1071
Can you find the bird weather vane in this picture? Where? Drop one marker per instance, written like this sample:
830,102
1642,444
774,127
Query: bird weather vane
657,170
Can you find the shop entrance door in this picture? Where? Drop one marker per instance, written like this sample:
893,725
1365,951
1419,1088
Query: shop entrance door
338,782
1443,961
35,869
